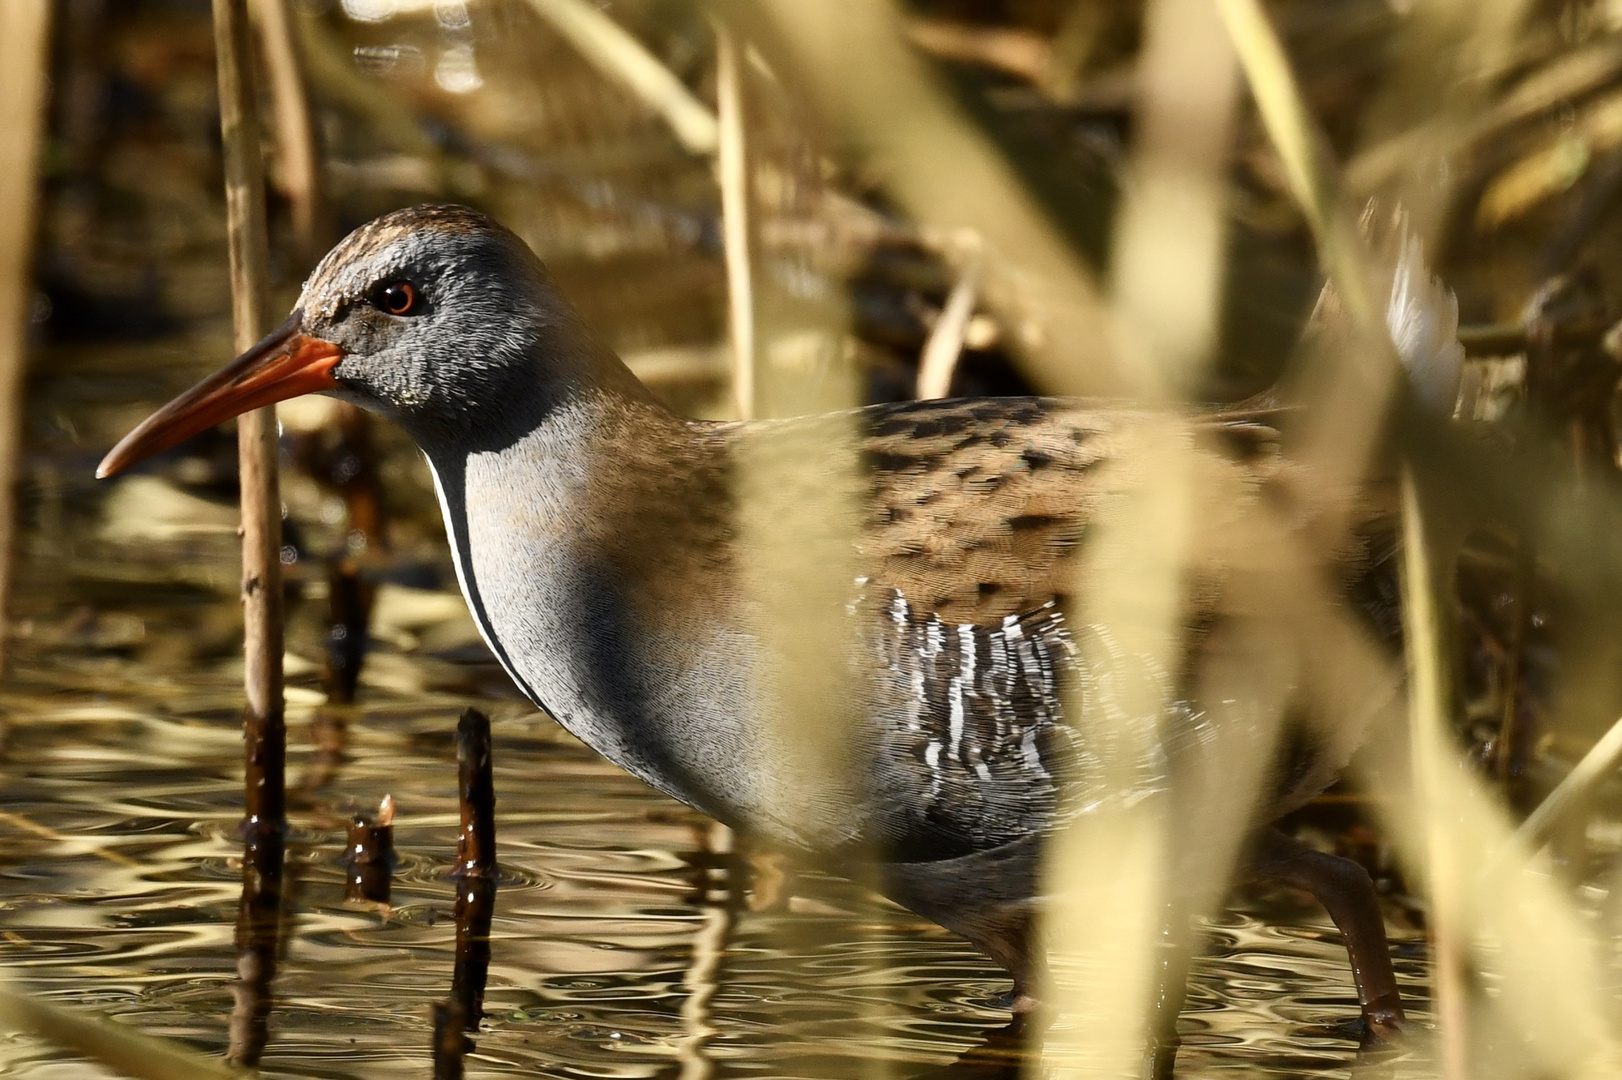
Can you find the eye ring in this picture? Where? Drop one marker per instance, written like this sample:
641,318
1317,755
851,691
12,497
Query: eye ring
397,298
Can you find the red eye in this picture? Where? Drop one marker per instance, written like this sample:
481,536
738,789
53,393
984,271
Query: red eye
398,298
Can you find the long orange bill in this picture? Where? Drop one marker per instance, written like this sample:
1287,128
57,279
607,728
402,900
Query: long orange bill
285,364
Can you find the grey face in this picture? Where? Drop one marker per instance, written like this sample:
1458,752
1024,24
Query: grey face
435,317
439,311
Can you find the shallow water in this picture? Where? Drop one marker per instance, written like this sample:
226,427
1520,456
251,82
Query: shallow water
597,930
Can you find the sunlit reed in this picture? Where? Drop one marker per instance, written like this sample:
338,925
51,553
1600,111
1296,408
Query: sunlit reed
24,54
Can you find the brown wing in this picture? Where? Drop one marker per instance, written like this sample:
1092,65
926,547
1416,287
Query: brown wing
979,509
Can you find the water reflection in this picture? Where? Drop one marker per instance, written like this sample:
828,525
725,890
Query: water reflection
258,942
459,1014
476,877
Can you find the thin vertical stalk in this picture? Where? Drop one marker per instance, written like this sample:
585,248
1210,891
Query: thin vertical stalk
475,893
298,149
605,45
476,791
736,219
1427,697
263,725
945,343
24,38
1168,254
296,144
1512,751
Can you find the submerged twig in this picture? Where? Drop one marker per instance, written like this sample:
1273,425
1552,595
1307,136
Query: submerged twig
258,943
451,1044
369,856
263,724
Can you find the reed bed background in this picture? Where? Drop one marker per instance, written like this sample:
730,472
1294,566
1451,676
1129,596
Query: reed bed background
774,207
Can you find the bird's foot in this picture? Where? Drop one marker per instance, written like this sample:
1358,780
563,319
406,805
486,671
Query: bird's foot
1383,1038
1029,1012
1384,1024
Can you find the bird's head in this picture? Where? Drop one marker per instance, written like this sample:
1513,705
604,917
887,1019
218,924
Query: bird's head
435,317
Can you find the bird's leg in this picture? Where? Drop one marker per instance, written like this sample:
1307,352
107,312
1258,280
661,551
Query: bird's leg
1015,948
1347,893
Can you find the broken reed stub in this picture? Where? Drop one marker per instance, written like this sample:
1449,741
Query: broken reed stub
369,857
476,791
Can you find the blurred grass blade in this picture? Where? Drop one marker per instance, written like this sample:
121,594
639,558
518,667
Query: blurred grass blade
1505,918
737,216
1285,115
1350,384
1570,792
1428,727
118,1046
945,343
1311,175
24,58
627,61
1169,252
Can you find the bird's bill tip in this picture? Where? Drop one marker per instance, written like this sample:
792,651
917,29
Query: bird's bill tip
285,364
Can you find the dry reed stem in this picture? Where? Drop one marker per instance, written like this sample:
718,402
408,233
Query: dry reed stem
24,45
297,147
868,86
1429,734
1169,255
476,796
737,217
263,722
1572,791
621,57
117,1046
945,343
1105,934
1494,909
1347,394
